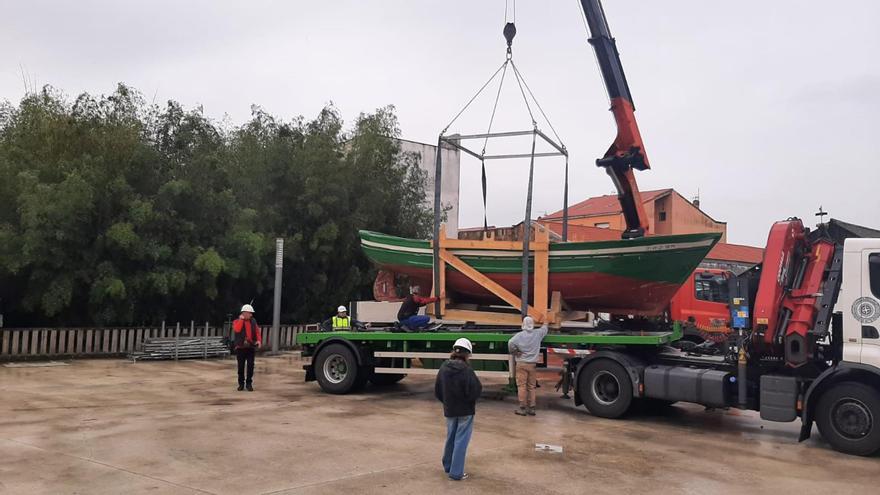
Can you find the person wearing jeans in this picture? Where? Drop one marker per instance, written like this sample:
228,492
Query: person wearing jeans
408,315
458,436
458,388
525,347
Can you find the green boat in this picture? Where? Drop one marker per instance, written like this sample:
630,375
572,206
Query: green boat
629,276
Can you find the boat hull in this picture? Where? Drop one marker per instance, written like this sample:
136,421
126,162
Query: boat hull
635,276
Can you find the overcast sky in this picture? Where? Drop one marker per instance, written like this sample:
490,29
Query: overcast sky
768,109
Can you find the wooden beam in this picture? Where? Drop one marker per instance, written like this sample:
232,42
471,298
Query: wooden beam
541,270
555,309
572,316
487,283
484,317
485,244
440,292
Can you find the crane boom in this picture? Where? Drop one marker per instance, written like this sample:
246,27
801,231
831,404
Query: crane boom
627,151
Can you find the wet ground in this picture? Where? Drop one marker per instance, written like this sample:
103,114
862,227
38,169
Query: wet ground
101,426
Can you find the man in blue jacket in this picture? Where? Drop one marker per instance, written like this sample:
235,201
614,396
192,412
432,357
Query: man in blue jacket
458,387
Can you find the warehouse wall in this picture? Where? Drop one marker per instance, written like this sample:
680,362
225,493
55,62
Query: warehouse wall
614,221
451,159
688,219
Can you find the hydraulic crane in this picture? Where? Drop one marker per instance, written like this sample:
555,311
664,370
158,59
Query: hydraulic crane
626,153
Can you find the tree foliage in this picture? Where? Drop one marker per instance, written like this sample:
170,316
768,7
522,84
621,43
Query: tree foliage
115,211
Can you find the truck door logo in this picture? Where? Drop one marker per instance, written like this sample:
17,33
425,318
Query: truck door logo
866,310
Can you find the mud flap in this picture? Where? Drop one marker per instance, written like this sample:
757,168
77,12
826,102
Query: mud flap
806,429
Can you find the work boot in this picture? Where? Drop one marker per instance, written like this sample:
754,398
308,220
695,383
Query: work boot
250,388
531,411
521,411
240,387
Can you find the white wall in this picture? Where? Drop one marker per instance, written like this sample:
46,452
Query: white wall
451,159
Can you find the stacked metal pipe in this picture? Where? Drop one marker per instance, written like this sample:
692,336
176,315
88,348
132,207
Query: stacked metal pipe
181,348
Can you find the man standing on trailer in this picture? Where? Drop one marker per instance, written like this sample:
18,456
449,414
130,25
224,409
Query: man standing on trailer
247,341
525,347
458,388
408,315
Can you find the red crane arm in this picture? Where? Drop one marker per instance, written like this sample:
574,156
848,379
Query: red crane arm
627,152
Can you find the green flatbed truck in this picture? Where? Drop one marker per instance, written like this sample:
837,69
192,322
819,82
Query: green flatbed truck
344,361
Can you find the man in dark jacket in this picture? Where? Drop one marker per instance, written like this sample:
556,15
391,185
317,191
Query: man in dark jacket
409,316
458,387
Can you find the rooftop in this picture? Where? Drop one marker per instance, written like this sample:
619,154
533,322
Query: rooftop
604,205
736,252
609,205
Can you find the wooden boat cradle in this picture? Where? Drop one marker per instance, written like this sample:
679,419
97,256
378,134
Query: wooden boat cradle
539,247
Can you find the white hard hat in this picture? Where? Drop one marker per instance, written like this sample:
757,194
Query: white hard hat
341,309
414,289
528,323
247,308
464,344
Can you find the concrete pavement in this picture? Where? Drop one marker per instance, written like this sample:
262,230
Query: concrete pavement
112,426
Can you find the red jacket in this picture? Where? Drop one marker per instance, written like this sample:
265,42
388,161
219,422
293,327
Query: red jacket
252,333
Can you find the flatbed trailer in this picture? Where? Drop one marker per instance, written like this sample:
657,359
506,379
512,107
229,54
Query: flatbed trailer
344,361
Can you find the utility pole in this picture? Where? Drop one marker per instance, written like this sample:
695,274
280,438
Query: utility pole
276,309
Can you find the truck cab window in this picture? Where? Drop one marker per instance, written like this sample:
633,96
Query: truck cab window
711,289
874,273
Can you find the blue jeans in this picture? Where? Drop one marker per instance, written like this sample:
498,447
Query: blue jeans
416,321
458,435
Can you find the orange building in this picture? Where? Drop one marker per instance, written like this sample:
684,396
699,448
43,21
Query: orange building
601,218
668,213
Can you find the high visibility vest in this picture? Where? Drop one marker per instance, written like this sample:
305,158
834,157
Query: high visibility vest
341,323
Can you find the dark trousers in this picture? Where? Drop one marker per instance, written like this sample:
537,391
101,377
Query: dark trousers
245,356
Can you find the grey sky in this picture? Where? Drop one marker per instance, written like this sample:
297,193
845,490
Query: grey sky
768,108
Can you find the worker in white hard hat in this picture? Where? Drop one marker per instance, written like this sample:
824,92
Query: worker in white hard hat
341,322
248,339
525,347
458,387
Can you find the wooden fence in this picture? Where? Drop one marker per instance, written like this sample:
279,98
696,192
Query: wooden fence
41,343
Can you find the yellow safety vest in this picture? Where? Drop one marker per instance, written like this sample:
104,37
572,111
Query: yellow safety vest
341,323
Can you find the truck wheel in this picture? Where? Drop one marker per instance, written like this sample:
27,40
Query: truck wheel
337,371
848,416
384,379
605,388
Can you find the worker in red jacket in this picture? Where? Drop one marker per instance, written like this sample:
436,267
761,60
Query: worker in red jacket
247,338
409,316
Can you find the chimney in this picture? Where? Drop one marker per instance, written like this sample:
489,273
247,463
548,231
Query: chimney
696,200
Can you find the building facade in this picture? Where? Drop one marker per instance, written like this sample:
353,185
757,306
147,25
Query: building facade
668,213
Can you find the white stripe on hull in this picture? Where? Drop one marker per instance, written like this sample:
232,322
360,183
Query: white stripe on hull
580,252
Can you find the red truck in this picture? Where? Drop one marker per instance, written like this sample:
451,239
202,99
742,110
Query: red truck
701,304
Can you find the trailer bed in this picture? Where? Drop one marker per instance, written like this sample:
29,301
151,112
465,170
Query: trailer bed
564,339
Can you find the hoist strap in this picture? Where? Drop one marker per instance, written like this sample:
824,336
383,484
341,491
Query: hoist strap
485,221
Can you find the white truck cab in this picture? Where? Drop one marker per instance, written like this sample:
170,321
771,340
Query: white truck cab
859,301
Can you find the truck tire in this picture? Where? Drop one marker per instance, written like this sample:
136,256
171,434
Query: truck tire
337,371
385,379
848,416
605,388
